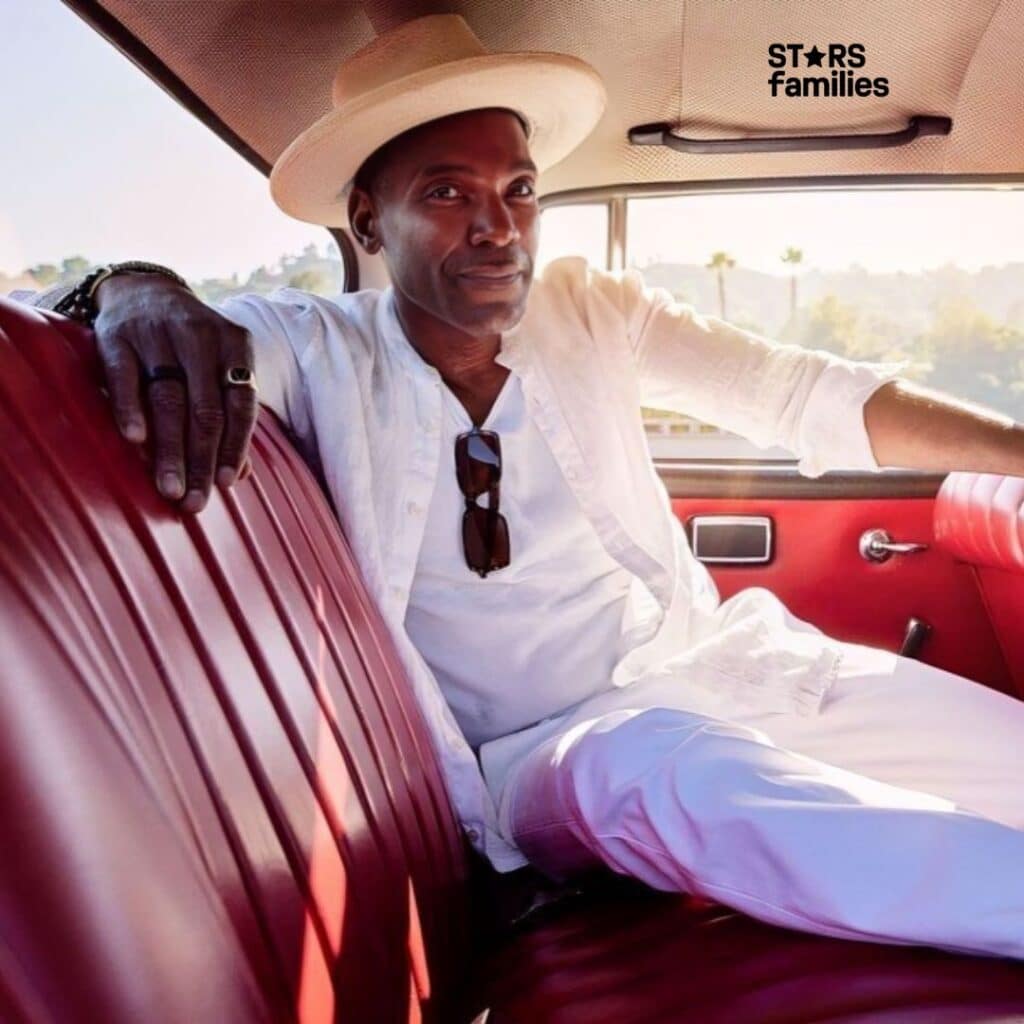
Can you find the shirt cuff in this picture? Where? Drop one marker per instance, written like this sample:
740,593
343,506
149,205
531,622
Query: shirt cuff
833,434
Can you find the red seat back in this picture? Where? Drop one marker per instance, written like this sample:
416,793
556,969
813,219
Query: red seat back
219,802
979,518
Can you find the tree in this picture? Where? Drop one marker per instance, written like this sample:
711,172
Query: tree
719,263
829,324
74,267
311,281
972,357
795,257
44,274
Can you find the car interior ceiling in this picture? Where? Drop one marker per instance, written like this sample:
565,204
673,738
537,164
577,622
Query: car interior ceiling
233,63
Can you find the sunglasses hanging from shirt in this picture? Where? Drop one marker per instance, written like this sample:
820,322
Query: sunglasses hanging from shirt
484,529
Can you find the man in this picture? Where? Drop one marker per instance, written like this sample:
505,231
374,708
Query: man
480,434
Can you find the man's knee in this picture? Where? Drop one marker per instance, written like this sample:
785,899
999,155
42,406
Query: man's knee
660,764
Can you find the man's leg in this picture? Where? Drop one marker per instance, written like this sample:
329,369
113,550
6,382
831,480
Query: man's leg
916,726
686,802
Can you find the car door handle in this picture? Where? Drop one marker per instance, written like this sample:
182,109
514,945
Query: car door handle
877,546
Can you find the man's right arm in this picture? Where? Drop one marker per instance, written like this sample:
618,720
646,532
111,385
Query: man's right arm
166,353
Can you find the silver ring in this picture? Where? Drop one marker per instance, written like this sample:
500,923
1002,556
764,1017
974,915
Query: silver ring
239,377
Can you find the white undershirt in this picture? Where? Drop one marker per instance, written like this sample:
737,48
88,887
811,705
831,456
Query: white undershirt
538,636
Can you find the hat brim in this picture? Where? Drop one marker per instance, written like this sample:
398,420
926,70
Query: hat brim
561,98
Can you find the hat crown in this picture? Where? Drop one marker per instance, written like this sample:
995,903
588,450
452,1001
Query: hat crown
414,46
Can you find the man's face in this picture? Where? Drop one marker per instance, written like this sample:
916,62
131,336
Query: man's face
454,209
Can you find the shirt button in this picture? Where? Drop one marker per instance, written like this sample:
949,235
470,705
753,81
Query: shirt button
572,473
473,834
414,508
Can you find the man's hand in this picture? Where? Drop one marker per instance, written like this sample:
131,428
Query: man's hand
199,426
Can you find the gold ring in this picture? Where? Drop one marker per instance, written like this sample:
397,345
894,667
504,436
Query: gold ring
239,377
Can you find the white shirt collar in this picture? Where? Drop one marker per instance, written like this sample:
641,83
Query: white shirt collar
509,356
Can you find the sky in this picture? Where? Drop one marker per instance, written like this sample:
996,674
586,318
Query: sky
110,167
886,231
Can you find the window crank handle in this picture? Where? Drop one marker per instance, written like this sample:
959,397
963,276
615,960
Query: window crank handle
878,546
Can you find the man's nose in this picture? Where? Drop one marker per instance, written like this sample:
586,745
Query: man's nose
493,223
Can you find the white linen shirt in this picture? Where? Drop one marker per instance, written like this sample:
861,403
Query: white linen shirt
541,635
591,348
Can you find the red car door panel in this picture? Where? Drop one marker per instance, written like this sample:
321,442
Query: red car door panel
818,572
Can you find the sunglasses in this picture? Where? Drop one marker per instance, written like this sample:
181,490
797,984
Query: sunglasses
484,530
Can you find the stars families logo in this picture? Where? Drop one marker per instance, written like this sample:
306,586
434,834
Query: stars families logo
841,62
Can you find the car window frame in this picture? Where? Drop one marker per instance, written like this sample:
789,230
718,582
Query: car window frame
617,197
105,24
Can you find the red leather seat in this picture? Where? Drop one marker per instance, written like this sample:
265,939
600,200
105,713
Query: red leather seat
218,800
632,956
219,803
979,518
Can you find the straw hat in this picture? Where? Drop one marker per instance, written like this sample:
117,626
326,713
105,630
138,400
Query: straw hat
425,69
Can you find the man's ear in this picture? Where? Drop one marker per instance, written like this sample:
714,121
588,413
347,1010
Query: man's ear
363,219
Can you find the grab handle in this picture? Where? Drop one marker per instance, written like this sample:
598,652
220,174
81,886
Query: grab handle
662,134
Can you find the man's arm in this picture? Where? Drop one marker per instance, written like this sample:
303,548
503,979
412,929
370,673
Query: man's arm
199,429
835,413
148,328
918,428
805,400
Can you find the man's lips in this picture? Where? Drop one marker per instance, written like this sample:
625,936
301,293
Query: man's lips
492,278
492,272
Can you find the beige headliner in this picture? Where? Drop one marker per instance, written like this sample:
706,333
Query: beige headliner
265,67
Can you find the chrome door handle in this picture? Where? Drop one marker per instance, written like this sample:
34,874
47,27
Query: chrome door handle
878,546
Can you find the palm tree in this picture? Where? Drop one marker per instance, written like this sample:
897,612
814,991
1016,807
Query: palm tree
796,257
719,263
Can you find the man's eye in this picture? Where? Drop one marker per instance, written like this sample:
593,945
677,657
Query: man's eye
443,192
526,186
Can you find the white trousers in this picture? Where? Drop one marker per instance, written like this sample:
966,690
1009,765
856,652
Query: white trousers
894,815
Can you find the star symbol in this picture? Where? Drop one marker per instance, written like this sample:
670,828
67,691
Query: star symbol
815,56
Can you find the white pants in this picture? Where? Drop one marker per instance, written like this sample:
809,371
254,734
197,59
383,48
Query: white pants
895,815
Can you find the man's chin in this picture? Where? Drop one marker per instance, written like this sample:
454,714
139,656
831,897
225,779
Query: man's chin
490,317
495,321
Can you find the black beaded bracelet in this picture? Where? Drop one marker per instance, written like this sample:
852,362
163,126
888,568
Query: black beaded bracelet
80,303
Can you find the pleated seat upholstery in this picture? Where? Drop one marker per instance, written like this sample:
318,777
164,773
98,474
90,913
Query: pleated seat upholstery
627,955
979,518
219,802
217,798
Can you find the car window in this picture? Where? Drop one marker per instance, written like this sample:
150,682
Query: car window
574,230
931,276
101,165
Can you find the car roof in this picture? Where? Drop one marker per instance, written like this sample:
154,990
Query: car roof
259,71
